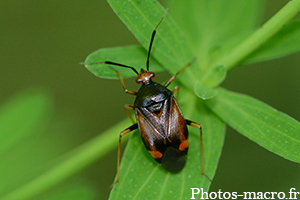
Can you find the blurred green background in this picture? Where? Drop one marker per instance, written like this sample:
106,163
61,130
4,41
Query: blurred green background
42,43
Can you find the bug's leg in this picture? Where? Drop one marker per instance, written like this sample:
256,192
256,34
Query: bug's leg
129,107
175,75
194,124
123,84
176,89
127,130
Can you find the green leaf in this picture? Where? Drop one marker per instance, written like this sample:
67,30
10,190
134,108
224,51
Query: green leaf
134,56
214,76
170,47
274,130
204,92
141,177
208,24
22,115
283,43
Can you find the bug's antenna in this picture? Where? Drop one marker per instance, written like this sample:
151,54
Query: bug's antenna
152,38
111,63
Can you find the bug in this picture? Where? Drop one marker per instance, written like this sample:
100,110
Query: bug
161,124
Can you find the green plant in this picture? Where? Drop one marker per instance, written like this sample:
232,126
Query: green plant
203,29
220,43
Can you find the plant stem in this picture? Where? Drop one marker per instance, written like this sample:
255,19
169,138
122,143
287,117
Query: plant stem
260,36
76,160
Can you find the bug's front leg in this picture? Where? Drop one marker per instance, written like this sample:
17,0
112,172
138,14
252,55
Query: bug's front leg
129,107
194,124
127,130
123,84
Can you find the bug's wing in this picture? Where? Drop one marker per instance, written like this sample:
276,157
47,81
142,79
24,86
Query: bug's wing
178,132
174,156
153,126
163,128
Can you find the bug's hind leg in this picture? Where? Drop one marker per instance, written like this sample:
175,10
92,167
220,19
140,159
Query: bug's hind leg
196,125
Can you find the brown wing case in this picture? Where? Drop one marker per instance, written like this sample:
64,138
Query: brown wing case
162,125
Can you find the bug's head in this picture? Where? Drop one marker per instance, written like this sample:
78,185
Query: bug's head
145,77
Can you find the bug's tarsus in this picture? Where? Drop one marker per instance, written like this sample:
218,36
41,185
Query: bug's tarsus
112,185
152,38
207,177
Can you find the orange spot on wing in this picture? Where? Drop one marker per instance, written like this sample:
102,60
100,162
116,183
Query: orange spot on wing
183,145
156,154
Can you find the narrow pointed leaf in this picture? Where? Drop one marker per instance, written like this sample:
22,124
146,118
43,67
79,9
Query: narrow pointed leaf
170,47
270,128
134,56
283,43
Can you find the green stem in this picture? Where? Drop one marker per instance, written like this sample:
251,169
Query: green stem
75,160
261,35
